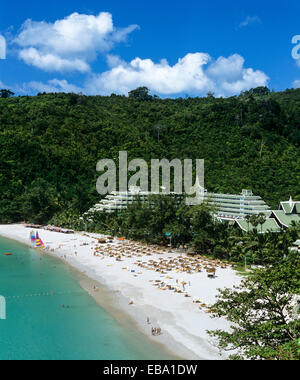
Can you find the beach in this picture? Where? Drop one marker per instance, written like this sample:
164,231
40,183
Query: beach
155,288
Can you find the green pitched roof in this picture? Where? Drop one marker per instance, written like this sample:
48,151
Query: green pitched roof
290,207
297,208
269,225
286,207
285,219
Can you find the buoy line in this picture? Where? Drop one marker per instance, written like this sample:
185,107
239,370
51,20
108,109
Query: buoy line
45,294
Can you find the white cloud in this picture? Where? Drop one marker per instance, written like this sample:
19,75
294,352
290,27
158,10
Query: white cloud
229,67
53,85
296,83
195,73
250,20
114,60
70,43
52,62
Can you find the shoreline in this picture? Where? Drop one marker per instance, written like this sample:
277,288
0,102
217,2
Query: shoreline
113,304
183,326
116,306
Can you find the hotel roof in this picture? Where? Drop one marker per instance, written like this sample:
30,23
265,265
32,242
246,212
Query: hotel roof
284,218
269,225
290,207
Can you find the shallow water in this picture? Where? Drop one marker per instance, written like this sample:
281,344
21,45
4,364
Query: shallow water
35,287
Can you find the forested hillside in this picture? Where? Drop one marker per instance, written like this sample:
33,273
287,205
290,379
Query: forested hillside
50,144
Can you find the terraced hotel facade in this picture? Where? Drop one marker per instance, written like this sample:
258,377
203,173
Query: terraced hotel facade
227,207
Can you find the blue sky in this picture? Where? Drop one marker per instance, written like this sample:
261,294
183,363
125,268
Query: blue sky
173,47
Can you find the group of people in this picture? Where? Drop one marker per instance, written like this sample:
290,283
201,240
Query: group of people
156,331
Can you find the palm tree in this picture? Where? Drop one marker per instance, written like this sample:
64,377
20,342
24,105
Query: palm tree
248,218
254,221
261,218
158,128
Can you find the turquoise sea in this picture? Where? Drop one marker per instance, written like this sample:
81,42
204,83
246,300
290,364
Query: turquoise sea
38,327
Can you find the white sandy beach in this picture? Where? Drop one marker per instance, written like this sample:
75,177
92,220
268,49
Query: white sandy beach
182,321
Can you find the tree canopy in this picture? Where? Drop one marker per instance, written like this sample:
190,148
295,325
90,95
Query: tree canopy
247,141
5,93
141,93
264,314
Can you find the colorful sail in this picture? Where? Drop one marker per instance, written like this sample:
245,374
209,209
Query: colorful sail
32,237
38,241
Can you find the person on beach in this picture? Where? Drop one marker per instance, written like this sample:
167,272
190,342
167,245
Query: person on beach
156,331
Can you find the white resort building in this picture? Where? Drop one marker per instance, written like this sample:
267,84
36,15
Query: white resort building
232,207
227,206
117,201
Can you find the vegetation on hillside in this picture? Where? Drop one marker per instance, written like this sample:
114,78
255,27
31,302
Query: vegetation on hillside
49,147
55,140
